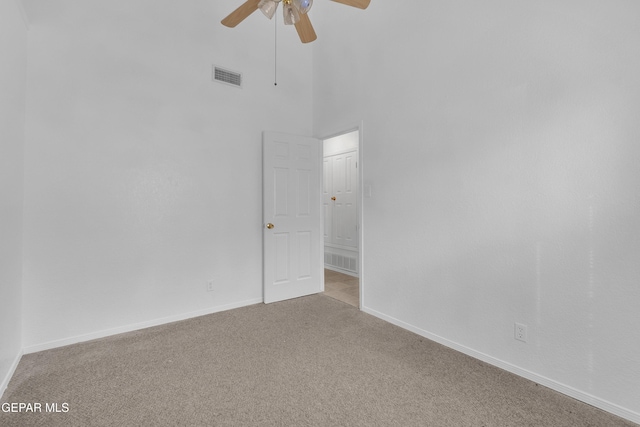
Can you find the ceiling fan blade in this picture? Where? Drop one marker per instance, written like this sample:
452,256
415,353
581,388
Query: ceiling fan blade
360,4
239,15
305,29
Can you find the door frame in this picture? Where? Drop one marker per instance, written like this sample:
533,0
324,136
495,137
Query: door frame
361,267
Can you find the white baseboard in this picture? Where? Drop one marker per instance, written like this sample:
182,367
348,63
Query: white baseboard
136,326
532,376
339,270
12,370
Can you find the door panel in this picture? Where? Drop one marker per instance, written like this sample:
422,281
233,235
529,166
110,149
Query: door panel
341,217
280,192
293,264
304,250
327,204
304,192
281,242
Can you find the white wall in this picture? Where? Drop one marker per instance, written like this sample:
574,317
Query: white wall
501,143
13,51
340,143
143,177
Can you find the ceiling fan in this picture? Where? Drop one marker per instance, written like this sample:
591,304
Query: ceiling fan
295,13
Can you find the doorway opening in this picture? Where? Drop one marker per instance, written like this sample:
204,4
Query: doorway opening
342,287
341,204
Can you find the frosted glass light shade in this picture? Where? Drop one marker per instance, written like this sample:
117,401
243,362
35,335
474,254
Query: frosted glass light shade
268,7
303,5
291,14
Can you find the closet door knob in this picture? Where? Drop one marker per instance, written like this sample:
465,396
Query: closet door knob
333,198
270,226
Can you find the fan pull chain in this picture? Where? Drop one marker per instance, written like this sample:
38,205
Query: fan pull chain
275,52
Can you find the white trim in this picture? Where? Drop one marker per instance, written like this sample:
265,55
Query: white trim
360,129
339,270
12,370
532,376
361,213
23,12
342,249
341,151
136,326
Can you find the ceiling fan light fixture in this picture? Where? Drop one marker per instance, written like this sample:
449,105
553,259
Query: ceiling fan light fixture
295,13
268,7
291,13
303,5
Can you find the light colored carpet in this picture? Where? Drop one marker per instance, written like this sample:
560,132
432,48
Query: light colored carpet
312,361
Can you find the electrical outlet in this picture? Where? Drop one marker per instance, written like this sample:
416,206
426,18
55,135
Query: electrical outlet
521,332
210,286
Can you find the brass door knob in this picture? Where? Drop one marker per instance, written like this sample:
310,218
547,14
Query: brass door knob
270,226
333,198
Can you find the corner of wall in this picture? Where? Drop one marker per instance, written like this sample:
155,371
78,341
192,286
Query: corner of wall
5,381
23,13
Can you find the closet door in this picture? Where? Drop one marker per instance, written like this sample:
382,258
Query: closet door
344,208
341,200
327,203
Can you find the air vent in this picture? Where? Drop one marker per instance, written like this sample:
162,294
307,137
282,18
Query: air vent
341,262
228,77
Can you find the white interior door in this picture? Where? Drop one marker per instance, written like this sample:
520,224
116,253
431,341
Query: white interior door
343,200
293,244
